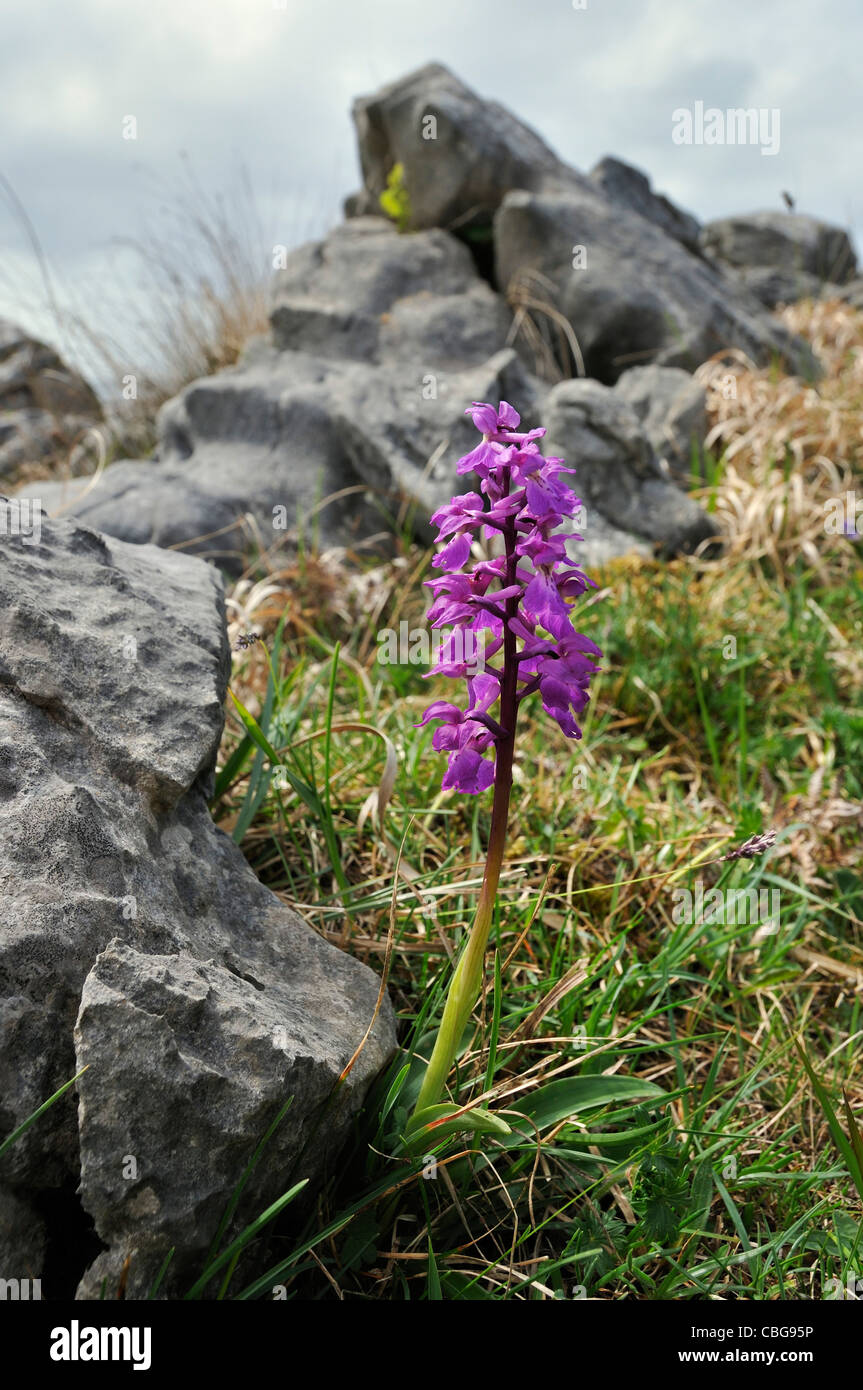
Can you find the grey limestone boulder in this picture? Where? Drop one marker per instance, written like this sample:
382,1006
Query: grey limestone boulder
646,293
632,294
460,154
369,294
672,408
852,293
792,243
628,186
618,473
134,938
775,287
273,439
45,406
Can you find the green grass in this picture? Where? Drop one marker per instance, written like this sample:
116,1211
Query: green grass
705,1164
683,1098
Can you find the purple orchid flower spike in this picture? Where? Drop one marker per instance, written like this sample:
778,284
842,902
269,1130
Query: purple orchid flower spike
523,500
520,602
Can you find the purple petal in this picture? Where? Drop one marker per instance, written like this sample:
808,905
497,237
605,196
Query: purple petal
441,709
484,690
454,555
483,416
479,460
556,700
507,417
468,772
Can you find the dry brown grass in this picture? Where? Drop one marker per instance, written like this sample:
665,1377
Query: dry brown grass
787,446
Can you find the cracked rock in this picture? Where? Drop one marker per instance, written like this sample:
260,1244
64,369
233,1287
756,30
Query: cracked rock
134,938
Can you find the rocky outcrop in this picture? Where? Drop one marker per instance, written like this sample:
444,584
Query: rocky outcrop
672,408
45,407
258,450
368,294
379,341
632,294
134,938
618,472
630,188
780,256
789,241
460,154
348,417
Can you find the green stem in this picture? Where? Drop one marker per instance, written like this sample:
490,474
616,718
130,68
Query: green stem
467,980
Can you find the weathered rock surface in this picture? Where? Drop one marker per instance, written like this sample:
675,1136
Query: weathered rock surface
852,293
404,333
201,1002
788,242
672,408
460,154
774,287
618,472
601,542
22,1240
234,448
45,407
387,438
641,296
370,294
288,431
628,186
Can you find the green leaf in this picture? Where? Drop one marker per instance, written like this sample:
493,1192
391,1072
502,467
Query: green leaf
163,1269
615,1139
494,1031
258,785
394,200
275,1275
430,1126
233,767
255,732
660,1191
702,1194
237,1193
561,1100
856,1141
394,1092
259,738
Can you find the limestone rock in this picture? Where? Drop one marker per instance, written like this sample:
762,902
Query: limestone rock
201,1002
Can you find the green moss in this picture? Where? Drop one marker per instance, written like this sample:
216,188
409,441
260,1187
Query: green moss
395,199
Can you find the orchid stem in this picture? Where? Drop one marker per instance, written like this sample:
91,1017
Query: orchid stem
467,980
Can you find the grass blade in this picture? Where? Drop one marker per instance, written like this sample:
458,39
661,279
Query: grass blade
31,1119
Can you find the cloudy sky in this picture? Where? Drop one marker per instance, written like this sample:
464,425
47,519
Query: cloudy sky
266,86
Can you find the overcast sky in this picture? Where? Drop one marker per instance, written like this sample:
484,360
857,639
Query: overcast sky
250,83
